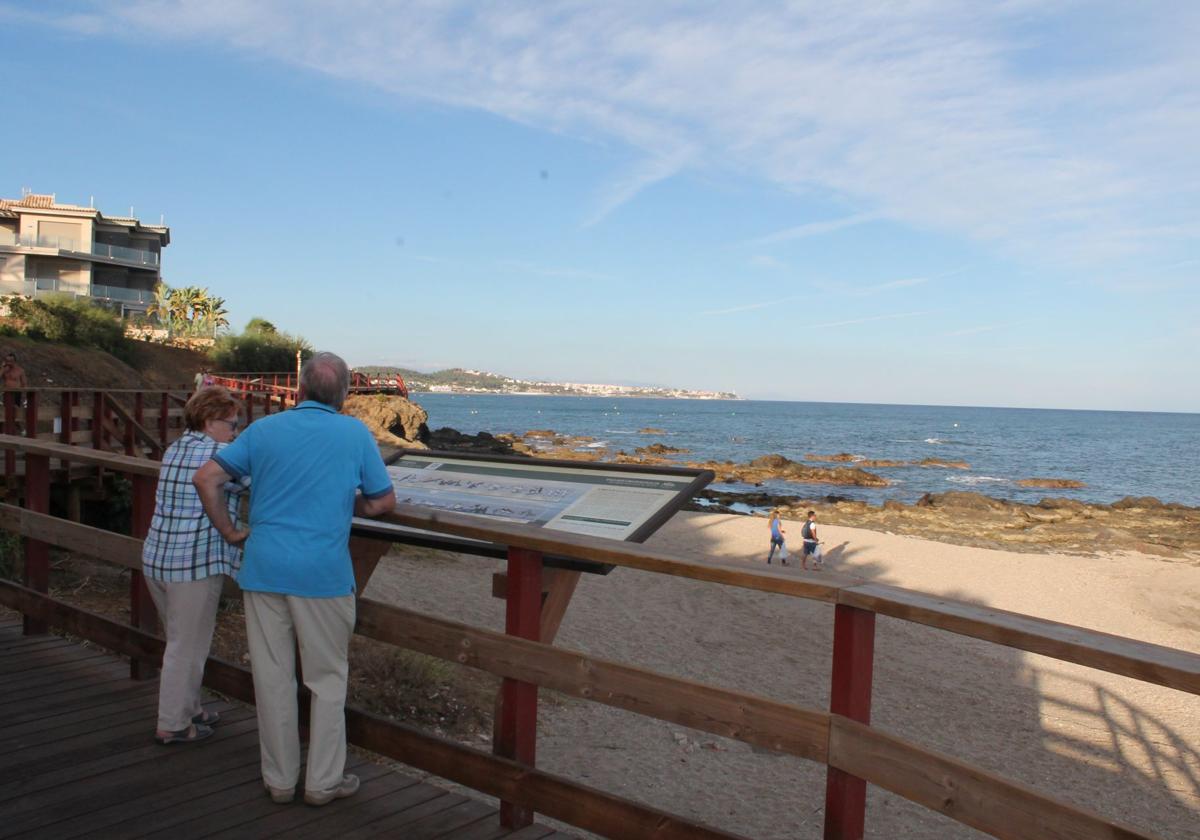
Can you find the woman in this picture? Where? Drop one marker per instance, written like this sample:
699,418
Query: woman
185,561
777,533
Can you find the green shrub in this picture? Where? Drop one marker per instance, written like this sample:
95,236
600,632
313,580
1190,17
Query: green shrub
70,321
258,352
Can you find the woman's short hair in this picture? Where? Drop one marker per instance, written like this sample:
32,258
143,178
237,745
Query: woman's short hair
212,402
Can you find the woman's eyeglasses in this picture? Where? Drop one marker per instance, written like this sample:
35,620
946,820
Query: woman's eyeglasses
233,424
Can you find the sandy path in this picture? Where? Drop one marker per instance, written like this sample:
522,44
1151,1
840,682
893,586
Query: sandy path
1121,747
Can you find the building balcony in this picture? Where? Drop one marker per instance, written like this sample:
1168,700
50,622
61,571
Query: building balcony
116,253
38,286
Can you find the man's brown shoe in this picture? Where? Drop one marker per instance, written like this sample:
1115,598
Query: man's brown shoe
348,787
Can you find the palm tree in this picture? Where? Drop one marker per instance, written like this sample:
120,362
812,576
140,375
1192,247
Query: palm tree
178,307
161,307
215,312
196,300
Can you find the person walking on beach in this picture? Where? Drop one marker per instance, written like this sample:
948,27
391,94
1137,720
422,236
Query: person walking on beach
777,533
313,469
812,545
185,562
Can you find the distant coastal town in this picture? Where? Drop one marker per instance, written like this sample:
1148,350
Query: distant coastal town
464,381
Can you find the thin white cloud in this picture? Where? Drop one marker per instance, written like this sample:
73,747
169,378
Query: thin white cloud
767,262
640,177
972,331
750,306
815,229
553,271
994,122
869,320
906,283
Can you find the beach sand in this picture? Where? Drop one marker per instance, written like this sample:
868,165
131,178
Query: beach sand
1126,749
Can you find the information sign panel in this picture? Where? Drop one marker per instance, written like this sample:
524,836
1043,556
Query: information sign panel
617,501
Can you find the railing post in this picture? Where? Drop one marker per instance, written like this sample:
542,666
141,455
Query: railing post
98,420
849,696
163,414
249,408
65,416
37,553
516,729
31,414
10,428
142,614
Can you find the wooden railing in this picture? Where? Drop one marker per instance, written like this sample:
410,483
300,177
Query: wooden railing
138,422
840,737
285,384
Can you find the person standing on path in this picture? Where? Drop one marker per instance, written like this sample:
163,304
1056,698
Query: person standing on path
12,376
812,545
308,466
185,562
777,541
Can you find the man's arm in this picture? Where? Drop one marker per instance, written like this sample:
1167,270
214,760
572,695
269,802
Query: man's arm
210,484
376,506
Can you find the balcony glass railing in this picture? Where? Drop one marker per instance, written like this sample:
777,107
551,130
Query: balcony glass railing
63,243
122,294
36,286
120,252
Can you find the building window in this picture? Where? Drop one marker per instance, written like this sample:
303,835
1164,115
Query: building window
62,235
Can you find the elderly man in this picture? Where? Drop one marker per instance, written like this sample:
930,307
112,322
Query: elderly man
306,468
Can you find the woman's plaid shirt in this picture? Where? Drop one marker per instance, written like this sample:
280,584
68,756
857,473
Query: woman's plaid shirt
182,544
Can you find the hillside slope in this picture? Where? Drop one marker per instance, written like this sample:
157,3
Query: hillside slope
59,365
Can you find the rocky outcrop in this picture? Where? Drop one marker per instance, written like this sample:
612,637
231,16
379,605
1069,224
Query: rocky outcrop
1060,525
651,430
944,464
394,421
657,450
1052,483
840,458
777,466
874,463
451,440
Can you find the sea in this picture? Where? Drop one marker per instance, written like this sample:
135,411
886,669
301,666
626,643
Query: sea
1114,453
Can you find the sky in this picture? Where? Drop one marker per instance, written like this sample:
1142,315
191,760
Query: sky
916,201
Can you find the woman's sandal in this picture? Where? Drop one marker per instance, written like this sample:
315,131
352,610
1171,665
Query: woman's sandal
195,732
207,718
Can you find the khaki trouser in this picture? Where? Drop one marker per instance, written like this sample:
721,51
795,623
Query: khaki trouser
189,611
322,626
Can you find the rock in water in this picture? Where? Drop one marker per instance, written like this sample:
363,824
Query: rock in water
394,421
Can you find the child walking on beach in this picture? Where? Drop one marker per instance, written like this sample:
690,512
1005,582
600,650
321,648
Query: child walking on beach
777,533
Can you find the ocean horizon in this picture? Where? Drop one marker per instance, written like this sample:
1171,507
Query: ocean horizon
1114,453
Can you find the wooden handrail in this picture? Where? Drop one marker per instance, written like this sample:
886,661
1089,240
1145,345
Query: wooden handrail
732,714
80,455
138,430
1140,660
968,794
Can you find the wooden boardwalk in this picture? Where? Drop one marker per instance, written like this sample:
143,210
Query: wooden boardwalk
77,759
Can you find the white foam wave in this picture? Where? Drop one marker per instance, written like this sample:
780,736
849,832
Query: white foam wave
978,479
934,440
600,444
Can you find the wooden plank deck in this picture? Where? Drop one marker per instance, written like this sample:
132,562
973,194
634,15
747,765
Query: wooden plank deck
77,759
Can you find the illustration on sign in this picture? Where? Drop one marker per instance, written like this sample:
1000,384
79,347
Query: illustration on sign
604,503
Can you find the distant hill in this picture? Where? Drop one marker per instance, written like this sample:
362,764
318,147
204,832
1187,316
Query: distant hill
461,380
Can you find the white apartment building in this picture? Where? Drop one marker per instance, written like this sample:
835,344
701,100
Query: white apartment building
46,248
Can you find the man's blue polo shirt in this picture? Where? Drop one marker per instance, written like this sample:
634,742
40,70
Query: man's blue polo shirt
305,466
